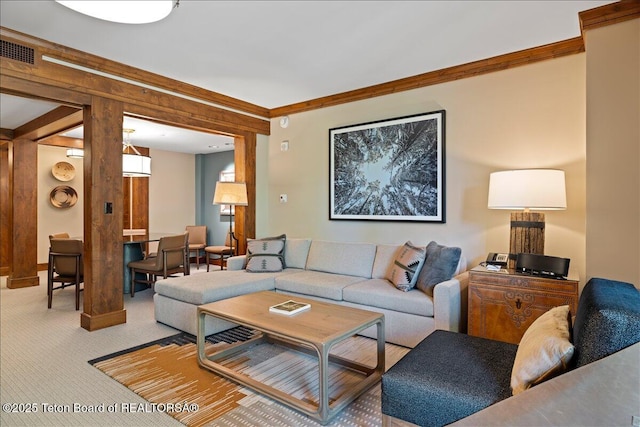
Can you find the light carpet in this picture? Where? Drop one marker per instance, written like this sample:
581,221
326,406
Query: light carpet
166,374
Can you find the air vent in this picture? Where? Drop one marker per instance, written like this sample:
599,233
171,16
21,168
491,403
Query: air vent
17,52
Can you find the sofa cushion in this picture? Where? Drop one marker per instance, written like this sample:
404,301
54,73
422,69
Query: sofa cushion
385,254
544,350
382,294
446,377
208,287
440,265
266,255
352,259
608,320
296,253
316,283
406,266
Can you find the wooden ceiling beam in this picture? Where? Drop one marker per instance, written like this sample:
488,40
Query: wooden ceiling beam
58,120
63,77
107,66
26,88
6,134
62,141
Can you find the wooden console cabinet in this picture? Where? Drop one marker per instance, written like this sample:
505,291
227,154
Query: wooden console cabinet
502,305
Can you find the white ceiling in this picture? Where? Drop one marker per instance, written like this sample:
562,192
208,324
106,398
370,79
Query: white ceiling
275,53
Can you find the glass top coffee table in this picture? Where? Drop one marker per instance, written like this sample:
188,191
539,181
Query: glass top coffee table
314,331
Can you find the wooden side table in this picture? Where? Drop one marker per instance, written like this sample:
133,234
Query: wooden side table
502,305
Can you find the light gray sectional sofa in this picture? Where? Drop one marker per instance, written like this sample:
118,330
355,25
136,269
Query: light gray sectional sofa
350,274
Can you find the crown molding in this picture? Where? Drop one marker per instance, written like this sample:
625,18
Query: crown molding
472,69
609,14
593,18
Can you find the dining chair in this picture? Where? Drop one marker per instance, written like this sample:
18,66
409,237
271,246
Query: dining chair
218,252
65,266
172,257
197,241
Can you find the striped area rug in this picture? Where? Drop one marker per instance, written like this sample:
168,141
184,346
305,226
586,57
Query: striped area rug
166,374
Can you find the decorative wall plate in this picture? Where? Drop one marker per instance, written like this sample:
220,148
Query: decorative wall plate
63,171
63,197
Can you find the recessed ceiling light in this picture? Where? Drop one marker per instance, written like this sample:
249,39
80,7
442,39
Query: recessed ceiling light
124,12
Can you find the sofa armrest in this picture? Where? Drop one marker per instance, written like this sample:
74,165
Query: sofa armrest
236,262
450,303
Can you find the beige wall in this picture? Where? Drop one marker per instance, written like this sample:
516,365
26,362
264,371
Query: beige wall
171,195
613,151
51,219
527,117
262,186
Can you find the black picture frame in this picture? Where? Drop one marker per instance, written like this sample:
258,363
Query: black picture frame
389,170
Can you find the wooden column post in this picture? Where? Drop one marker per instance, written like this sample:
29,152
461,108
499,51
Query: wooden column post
245,171
103,212
23,188
5,205
527,235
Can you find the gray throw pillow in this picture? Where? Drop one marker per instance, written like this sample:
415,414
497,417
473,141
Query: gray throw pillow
266,255
439,266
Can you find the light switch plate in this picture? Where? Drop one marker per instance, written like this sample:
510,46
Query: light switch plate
283,198
284,146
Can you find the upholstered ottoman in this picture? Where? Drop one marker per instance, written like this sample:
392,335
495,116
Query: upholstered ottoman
444,378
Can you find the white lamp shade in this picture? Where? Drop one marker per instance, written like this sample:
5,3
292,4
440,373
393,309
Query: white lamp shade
136,165
230,193
75,153
124,12
538,189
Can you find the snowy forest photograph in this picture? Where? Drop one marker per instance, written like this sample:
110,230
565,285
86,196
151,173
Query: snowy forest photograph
390,170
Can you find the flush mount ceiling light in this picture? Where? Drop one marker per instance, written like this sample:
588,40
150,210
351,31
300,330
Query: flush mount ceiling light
124,12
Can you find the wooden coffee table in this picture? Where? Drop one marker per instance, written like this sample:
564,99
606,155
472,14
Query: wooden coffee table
314,331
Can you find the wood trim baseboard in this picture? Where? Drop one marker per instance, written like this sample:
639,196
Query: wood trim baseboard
22,282
100,321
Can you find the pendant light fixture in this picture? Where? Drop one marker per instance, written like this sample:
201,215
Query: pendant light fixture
75,153
134,164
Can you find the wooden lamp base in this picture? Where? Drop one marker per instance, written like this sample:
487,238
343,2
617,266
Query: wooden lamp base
527,235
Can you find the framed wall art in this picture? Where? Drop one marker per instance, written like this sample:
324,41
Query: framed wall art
389,170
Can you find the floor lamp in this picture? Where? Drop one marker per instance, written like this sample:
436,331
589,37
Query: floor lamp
524,190
233,194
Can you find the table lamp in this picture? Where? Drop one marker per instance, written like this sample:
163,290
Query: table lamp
234,194
522,191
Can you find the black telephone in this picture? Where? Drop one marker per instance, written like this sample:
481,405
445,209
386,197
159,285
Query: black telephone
497,259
